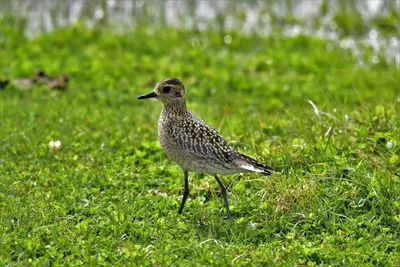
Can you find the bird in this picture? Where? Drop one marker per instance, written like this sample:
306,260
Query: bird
195,145
57,83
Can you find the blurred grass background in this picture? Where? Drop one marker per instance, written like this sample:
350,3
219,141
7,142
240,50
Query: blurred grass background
310,87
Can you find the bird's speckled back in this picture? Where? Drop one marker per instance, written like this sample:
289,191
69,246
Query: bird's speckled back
193,144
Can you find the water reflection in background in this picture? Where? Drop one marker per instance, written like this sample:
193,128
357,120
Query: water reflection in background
317,18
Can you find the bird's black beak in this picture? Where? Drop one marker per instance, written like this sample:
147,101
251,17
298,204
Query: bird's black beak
149,95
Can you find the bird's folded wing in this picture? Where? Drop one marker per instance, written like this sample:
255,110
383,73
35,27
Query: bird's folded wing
202,140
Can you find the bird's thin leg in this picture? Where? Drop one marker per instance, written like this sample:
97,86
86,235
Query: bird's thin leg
223,191
185,192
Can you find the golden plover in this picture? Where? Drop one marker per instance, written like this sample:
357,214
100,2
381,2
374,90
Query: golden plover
195,145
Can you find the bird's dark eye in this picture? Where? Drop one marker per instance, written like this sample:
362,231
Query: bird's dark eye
167,89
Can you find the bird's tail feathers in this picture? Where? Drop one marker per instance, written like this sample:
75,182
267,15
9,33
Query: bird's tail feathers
250,164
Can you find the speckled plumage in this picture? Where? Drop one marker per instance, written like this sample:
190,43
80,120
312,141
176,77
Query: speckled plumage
192,143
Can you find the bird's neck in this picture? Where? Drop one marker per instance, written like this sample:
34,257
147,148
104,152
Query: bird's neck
176,107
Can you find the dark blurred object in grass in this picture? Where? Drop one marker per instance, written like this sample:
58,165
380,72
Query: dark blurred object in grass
59,82
4,83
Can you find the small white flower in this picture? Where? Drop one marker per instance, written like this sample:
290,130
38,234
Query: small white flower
253,226
389,144
55,144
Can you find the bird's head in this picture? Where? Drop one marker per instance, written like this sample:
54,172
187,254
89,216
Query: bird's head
167,90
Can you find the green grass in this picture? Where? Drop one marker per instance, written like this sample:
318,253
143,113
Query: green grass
110,196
